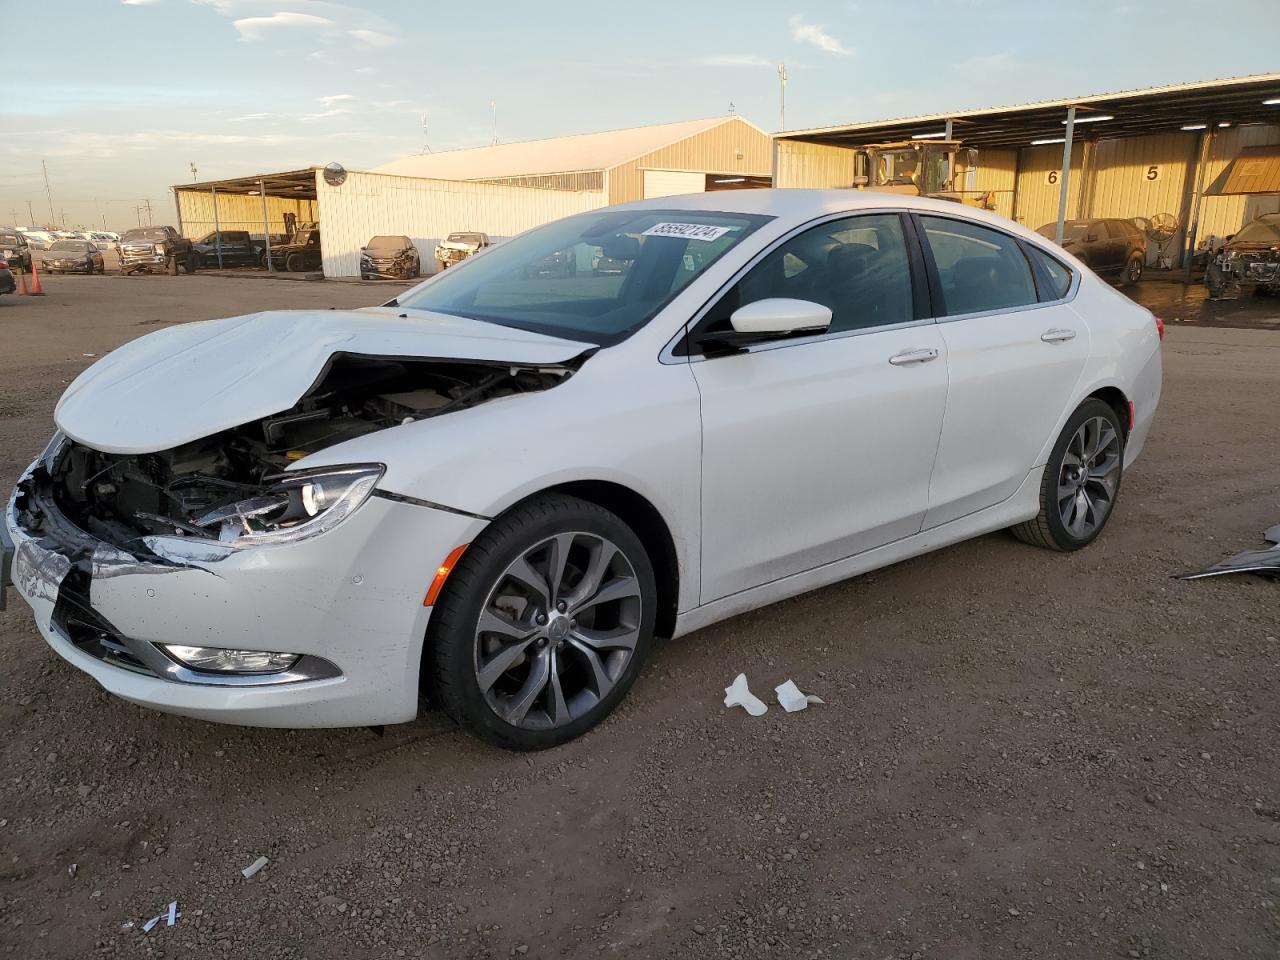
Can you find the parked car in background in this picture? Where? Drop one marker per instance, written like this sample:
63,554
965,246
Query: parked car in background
389,258
102,238
1112,248
457,247
73,256
558,263
7,285
237,247
503,488
14,249
38,239
300,254
151,249
1249,259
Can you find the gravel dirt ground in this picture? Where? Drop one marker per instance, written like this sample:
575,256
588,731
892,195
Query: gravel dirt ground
1022,754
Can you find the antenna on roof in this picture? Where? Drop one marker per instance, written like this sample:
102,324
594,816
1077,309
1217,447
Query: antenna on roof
426,147
732,108
493,105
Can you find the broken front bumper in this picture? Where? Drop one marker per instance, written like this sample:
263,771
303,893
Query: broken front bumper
349,602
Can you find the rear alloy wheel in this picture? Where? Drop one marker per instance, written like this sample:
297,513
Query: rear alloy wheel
1133,269
1081,481
543,626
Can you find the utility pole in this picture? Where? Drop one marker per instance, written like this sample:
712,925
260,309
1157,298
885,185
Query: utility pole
782,96
493,105
192,165
146,205
47,192
426,145
31,217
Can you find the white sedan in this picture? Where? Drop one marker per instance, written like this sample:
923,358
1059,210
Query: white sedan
499,487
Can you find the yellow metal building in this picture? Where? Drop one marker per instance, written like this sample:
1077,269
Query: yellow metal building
1135,153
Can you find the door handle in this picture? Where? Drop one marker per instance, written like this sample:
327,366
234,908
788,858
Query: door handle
1057,335
906,357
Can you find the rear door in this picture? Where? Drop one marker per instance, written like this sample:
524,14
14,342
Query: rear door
820,447
1014,352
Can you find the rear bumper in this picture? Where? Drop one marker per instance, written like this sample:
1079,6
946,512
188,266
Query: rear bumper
351,598
1145,394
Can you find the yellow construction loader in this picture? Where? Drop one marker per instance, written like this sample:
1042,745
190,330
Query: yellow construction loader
921,168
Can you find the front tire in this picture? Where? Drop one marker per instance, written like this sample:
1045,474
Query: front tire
295,263
544,624
1081,481
1133,269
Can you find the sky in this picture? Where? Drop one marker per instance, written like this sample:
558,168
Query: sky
120,97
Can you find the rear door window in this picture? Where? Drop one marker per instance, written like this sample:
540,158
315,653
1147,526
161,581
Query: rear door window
979,269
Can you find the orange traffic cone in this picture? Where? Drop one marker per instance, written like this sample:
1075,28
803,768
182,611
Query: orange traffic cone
22,280
36,289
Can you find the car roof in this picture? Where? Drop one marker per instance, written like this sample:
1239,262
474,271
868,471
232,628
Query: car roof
798,206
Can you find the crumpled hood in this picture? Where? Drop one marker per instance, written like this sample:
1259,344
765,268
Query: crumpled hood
186,382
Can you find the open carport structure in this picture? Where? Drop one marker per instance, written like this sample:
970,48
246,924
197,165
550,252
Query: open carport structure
1137,153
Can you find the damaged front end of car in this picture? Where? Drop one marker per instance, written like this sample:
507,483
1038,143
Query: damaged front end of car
96,531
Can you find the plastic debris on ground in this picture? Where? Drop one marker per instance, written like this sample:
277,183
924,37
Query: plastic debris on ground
254,867
738,694
792,699
170,917
1265,562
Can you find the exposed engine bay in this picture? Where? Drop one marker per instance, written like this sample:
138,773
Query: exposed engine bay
235,481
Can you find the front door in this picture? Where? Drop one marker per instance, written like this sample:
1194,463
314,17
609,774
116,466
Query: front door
1013,361
820,448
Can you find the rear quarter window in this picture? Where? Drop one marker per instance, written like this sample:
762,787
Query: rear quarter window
1057,273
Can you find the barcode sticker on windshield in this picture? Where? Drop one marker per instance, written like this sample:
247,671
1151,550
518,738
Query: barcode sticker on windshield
688,231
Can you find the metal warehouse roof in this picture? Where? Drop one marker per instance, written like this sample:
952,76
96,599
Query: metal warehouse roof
574,154
300,184
1234,100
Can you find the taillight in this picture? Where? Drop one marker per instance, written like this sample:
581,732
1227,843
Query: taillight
4,264
1160,328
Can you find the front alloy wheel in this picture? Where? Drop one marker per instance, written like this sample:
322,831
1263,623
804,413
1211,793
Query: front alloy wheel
542,627
1081,480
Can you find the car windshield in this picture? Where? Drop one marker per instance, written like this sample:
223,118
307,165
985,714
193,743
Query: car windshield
9,240
1262,230
389,243
464,238
146,233
617,269
71,246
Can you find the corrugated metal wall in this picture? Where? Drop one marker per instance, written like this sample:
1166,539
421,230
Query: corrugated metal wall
370,204
997,172
1039,184
1220,216
238,212
735,147
813,165
670,183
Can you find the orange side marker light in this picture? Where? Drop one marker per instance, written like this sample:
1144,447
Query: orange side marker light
442,574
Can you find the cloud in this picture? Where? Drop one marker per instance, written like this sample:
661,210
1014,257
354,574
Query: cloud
735,60
816,34
372,38
138,3
366,69
330,100
251,28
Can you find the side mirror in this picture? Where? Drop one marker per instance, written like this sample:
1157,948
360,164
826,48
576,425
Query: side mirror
778,316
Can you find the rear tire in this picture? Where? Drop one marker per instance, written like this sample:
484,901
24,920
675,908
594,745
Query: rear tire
1081,481
295,263
530,685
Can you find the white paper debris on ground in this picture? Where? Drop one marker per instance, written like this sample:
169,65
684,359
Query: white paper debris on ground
792,699
173,914
254,867
150,924
738,695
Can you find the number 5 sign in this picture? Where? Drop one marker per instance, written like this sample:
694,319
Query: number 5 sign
1152,173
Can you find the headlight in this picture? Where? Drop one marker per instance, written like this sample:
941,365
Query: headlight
157,248
294,506
215,659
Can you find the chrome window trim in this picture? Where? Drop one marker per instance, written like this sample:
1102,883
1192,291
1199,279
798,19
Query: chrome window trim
668,355
1072,290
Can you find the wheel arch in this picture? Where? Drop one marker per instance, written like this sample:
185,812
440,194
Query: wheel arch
648,524
1115,398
